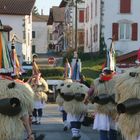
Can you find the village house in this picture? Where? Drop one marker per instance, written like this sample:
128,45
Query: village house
121,20
39,34
18,15
56,19
92,25
74,26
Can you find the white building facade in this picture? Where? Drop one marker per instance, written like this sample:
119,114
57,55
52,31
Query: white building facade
39,34
92,25
18,15
22,29
121,20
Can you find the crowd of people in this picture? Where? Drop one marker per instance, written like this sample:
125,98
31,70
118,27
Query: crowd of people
116,100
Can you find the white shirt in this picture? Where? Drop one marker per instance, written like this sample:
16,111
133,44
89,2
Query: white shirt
104,122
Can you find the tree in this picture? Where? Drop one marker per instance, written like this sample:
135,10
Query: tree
35,11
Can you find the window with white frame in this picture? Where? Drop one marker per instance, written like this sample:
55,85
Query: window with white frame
125,31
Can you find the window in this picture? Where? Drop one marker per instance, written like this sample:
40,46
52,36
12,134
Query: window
81,37
125,31
81,16
33,49
125,6
33,34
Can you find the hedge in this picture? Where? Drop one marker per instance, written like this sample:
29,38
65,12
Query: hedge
49,72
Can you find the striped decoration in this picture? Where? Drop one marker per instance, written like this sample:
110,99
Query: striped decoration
6,65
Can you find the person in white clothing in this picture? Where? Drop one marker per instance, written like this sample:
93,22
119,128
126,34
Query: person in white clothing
74,95
40,99
60,101
105,110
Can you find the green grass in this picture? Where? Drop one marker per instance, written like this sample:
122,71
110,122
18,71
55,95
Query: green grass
92,68
93,63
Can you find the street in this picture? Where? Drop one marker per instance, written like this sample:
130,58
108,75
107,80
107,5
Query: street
52,127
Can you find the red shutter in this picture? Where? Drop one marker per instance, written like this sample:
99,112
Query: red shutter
134,31
125,6
81,16
115,29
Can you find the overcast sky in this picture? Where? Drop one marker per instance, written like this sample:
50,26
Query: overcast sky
46,5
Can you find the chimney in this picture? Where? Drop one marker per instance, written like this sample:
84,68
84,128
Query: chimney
41,11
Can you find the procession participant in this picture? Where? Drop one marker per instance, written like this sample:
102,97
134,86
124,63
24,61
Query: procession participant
74,95
16,97
16,101
60,101
35,71
128,100
105,110
40,99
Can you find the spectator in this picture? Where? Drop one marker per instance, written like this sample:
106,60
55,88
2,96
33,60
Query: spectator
67,70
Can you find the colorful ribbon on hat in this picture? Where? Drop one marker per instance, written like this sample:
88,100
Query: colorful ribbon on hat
6,65
106,77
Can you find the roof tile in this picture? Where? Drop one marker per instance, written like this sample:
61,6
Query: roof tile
16,7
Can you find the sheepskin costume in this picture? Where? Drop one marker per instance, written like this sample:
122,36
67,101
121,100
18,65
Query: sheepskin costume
39,99
74,95
105,87
106,113
12,126
128,87
60,101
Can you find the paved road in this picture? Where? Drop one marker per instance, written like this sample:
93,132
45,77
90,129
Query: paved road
52,126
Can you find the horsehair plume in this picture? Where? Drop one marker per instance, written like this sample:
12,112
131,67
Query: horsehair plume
11,85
